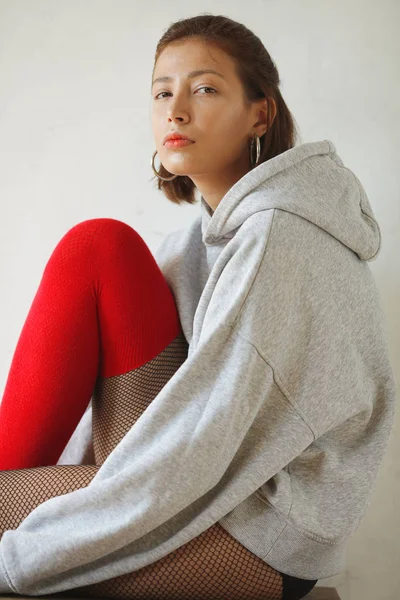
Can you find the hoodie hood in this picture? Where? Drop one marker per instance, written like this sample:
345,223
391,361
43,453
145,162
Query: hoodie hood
309,180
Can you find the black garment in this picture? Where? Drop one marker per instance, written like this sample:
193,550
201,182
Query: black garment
295,588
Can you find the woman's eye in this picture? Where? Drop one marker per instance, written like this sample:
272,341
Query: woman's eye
205,87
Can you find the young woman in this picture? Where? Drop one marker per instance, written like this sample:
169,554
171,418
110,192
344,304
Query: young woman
242,395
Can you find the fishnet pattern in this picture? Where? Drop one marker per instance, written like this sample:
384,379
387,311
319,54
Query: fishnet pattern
119,401
212,566
22,490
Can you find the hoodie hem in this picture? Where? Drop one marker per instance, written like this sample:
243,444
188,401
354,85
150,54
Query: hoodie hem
259,527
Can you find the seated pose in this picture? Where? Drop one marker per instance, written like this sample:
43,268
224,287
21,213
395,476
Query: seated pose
206,423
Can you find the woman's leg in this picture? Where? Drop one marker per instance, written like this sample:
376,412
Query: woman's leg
103,308
118,401
116,305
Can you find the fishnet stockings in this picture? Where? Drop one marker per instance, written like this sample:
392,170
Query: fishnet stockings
213,565
120,400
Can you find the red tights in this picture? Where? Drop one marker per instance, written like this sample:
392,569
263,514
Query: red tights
102,308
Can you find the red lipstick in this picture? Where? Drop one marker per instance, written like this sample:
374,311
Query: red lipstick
175,135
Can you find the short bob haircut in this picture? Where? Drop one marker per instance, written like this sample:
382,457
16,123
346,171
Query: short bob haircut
260,79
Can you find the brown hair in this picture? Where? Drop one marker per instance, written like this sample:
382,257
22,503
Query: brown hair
260,79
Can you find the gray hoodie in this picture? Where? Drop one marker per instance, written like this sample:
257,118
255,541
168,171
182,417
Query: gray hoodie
276,424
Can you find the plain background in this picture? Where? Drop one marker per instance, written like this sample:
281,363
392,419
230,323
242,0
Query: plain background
76,143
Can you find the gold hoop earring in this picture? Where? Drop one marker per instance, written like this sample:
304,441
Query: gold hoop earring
158,174
255,142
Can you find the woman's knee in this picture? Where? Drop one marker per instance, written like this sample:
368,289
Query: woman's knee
103,229
103,236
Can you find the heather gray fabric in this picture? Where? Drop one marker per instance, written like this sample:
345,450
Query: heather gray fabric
277,422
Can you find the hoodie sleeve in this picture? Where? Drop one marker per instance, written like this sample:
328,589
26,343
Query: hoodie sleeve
217,431
79,449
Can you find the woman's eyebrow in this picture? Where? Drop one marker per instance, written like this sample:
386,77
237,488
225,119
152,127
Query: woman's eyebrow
190,75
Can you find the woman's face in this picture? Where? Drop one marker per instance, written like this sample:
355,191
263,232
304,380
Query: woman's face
208,108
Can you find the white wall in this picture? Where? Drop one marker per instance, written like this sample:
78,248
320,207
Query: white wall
76,143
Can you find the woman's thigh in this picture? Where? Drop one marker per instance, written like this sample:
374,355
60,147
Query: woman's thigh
212,566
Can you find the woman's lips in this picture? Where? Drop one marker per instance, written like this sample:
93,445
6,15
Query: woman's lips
177,143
